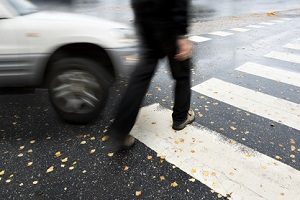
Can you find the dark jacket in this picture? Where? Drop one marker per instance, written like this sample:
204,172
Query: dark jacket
160,20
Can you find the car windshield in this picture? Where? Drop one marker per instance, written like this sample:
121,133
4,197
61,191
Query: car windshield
23,7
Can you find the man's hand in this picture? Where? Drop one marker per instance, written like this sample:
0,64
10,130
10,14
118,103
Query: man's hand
184,49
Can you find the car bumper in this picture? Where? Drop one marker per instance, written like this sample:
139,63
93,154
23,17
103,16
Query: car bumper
124,59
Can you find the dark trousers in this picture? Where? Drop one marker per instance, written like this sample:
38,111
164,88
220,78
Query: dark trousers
139,84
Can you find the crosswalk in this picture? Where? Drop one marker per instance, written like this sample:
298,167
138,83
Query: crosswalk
232,31
224,165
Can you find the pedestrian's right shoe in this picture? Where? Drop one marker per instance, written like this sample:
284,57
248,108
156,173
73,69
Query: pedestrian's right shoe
181,125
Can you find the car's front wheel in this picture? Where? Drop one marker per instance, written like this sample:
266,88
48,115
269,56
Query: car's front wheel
78,89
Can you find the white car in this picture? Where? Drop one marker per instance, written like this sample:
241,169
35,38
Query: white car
76,56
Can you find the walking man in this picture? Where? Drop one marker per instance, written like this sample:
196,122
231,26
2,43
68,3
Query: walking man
162,25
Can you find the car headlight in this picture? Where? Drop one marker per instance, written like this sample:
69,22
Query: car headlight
126,35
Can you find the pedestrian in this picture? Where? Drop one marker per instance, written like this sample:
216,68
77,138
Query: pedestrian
162,26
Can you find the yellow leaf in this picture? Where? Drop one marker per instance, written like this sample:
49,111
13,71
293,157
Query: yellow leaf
110,154
105,138
29,164
92,138
174,184
57,154
64,160
138,193
162,178
278,157
32,141
50,169
126,168
194,170
2,172
205,173
83,142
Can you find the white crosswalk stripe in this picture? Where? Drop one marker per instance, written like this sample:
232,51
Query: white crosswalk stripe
221,33
277,21
295,46
279,75
284,56
267,23
199,39
225,166
240,29
255,26
276,109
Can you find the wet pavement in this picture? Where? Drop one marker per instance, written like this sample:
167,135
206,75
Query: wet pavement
45,158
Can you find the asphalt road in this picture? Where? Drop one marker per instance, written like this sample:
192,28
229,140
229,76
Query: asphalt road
33,140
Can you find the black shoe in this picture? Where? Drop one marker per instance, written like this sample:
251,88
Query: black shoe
116,144
181,125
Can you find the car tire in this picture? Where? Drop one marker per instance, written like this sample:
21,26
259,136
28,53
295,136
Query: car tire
78,89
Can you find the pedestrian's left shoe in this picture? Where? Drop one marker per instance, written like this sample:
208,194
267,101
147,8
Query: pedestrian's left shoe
116,144
189,119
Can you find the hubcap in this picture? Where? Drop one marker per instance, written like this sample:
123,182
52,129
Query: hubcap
76,91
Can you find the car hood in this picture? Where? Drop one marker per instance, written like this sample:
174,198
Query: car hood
79,19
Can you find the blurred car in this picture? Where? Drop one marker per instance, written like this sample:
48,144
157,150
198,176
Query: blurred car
76,57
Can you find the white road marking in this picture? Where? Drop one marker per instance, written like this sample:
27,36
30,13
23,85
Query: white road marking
276,109
225,166
240,29
289,57
279,75
295,46
266,23
221,33
286,18
199,39
277,21
255,26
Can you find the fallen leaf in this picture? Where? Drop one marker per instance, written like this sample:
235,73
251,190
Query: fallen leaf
21,184
138,193
162,178
83,142
57,154
192,179
187,190
71,168
62,165
271,14
84,171
105,138
232,128
50,169
20,155
278,157
149,157
292,156
35,182
32,141
29,164
110,154
292,141
29,151
174,184
219,196
126,168
92,138
293,148
8,181
64,160
92,151
74,163
21,147
205,173
2,172
194,170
